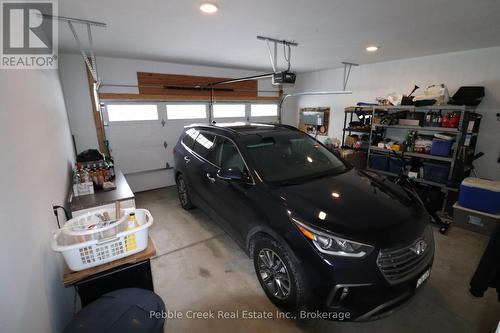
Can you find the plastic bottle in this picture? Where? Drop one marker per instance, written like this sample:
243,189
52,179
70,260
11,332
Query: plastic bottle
94,175
86,174
100,175
111,170
76,177
132,222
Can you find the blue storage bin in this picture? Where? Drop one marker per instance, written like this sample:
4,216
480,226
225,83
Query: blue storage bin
441,147
480,194
395,165
379,162
436,172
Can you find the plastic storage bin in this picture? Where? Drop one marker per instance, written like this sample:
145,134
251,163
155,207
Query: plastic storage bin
86,241
379,162
441,147
474,220
480,194
436,172
122,310
395,165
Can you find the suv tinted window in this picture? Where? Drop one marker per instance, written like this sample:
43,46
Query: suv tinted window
226,155
204,144
189,137
290,157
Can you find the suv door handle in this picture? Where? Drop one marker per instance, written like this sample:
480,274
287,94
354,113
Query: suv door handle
210,178
187,159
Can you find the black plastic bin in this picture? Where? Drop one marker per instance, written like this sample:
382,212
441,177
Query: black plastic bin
436,172
395,165
379,162
123,310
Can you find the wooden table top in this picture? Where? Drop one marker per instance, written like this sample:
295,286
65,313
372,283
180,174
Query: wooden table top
70,277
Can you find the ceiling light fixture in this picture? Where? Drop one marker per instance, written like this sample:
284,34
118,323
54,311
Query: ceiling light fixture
208,7
372,48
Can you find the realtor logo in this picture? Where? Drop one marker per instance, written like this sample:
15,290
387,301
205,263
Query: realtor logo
29,38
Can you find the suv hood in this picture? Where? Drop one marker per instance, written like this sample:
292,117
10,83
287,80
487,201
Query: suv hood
358,206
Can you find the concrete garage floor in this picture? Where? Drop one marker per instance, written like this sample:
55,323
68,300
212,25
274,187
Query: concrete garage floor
199,268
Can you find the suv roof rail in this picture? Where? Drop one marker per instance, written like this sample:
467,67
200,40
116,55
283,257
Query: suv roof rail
235,131
228,129
290,127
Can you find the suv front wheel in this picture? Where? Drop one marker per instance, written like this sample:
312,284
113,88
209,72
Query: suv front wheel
279,274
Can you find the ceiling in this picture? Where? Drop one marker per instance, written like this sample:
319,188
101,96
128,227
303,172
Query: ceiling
328,31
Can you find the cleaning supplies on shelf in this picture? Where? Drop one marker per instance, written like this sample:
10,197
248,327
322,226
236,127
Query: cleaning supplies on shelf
451,120
410,141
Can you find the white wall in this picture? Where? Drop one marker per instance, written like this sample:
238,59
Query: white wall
34,172
124,72
475,67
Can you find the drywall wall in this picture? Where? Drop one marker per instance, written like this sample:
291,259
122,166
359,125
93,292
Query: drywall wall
124,72
475,67
34,173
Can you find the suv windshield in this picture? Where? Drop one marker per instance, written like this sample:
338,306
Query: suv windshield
292,157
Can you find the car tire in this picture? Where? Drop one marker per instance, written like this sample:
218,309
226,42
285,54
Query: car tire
183,193
295,299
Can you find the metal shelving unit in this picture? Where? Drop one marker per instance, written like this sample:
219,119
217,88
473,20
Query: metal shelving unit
360,112
459,167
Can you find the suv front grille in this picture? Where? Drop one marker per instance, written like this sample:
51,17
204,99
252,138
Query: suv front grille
401,264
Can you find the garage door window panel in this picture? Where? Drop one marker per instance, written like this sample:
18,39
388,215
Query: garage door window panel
132,112
186,111
229,110
264,110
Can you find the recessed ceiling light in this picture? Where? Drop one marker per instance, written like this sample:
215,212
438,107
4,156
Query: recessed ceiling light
208,7
372,48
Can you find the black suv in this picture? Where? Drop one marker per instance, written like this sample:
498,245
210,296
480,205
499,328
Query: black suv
322,235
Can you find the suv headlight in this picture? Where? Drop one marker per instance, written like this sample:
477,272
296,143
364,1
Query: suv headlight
334,245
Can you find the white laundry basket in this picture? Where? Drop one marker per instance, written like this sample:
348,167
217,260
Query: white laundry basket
86,241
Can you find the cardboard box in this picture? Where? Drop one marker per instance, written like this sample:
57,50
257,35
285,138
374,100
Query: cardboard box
356,158
350,140
409,122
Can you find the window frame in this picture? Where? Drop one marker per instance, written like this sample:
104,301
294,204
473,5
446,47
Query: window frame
217,139
208,149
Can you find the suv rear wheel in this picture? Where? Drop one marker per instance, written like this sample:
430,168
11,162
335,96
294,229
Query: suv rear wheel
183,192
279,274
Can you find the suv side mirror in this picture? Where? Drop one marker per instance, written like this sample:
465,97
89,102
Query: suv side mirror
231,175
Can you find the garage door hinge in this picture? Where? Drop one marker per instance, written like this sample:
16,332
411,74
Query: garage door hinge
163,122
165,144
